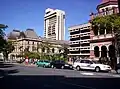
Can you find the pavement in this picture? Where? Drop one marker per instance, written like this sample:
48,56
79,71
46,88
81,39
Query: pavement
31,77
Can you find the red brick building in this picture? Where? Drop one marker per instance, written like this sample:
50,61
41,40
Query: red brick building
102,43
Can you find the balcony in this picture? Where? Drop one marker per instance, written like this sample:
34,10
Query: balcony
74,49
85,48
84,41
103,36
75,36
84,54
114,10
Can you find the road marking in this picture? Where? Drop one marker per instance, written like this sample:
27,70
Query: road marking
116,75
77,85
87,73
1,76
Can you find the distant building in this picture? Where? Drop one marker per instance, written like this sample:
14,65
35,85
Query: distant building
23,41
102,43
54,24
30,42
80,40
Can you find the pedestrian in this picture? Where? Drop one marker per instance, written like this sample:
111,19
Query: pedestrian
26,61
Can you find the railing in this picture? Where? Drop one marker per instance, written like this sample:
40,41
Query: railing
114,10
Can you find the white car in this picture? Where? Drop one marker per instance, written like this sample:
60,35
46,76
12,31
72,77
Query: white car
90,65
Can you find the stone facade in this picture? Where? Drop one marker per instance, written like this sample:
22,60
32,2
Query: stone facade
29,41
103,43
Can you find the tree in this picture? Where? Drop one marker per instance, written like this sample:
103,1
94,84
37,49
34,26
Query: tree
7,49
46,46
32,55
2,34
64,48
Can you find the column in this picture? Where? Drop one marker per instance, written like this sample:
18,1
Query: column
105,31
98,32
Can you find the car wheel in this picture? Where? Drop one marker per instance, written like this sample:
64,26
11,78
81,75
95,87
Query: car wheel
44,66
97,69
52,66
62,67
78,68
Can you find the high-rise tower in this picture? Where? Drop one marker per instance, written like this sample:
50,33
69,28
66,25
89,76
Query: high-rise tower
54,24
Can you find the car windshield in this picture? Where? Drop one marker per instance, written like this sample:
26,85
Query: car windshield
46,61
95,62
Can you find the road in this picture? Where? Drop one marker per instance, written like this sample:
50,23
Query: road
22,77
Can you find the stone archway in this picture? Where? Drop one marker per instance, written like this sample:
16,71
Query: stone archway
96,51
103,58
103,51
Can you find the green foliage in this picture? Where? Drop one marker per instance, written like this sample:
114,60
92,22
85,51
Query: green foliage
32,55
2,40
2,28
8,48
108,22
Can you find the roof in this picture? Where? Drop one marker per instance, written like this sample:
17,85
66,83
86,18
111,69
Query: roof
54,41
30,33
79,24
104,1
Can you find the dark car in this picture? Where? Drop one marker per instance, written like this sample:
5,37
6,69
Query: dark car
60,64
20,61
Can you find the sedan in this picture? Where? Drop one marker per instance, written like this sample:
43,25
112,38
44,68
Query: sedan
43,63
60,64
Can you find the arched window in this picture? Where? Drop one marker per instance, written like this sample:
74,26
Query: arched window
43,49
96,51
53,50
103,51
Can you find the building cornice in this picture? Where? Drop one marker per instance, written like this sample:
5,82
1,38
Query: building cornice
106,4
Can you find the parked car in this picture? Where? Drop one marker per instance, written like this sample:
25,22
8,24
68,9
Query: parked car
90,65
20,61
43,63
60,64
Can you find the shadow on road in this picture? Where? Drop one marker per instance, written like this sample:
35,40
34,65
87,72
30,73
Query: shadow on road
6,65
57,82
7,72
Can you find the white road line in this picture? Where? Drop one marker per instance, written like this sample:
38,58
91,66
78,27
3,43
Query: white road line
116,75
87,73
77,85
1,76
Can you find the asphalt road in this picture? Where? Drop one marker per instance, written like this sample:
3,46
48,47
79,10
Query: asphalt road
21,77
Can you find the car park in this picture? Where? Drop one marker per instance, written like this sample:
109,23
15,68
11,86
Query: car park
88,64
60,64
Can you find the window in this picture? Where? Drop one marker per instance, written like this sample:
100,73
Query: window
40,60
46,61
28,42
33,43
85,61
107,11
43,49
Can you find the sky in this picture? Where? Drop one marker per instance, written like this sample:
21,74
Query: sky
23,14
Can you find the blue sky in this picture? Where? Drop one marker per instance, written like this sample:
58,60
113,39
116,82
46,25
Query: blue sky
23,14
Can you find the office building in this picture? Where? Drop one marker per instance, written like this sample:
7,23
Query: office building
80,40
54,24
